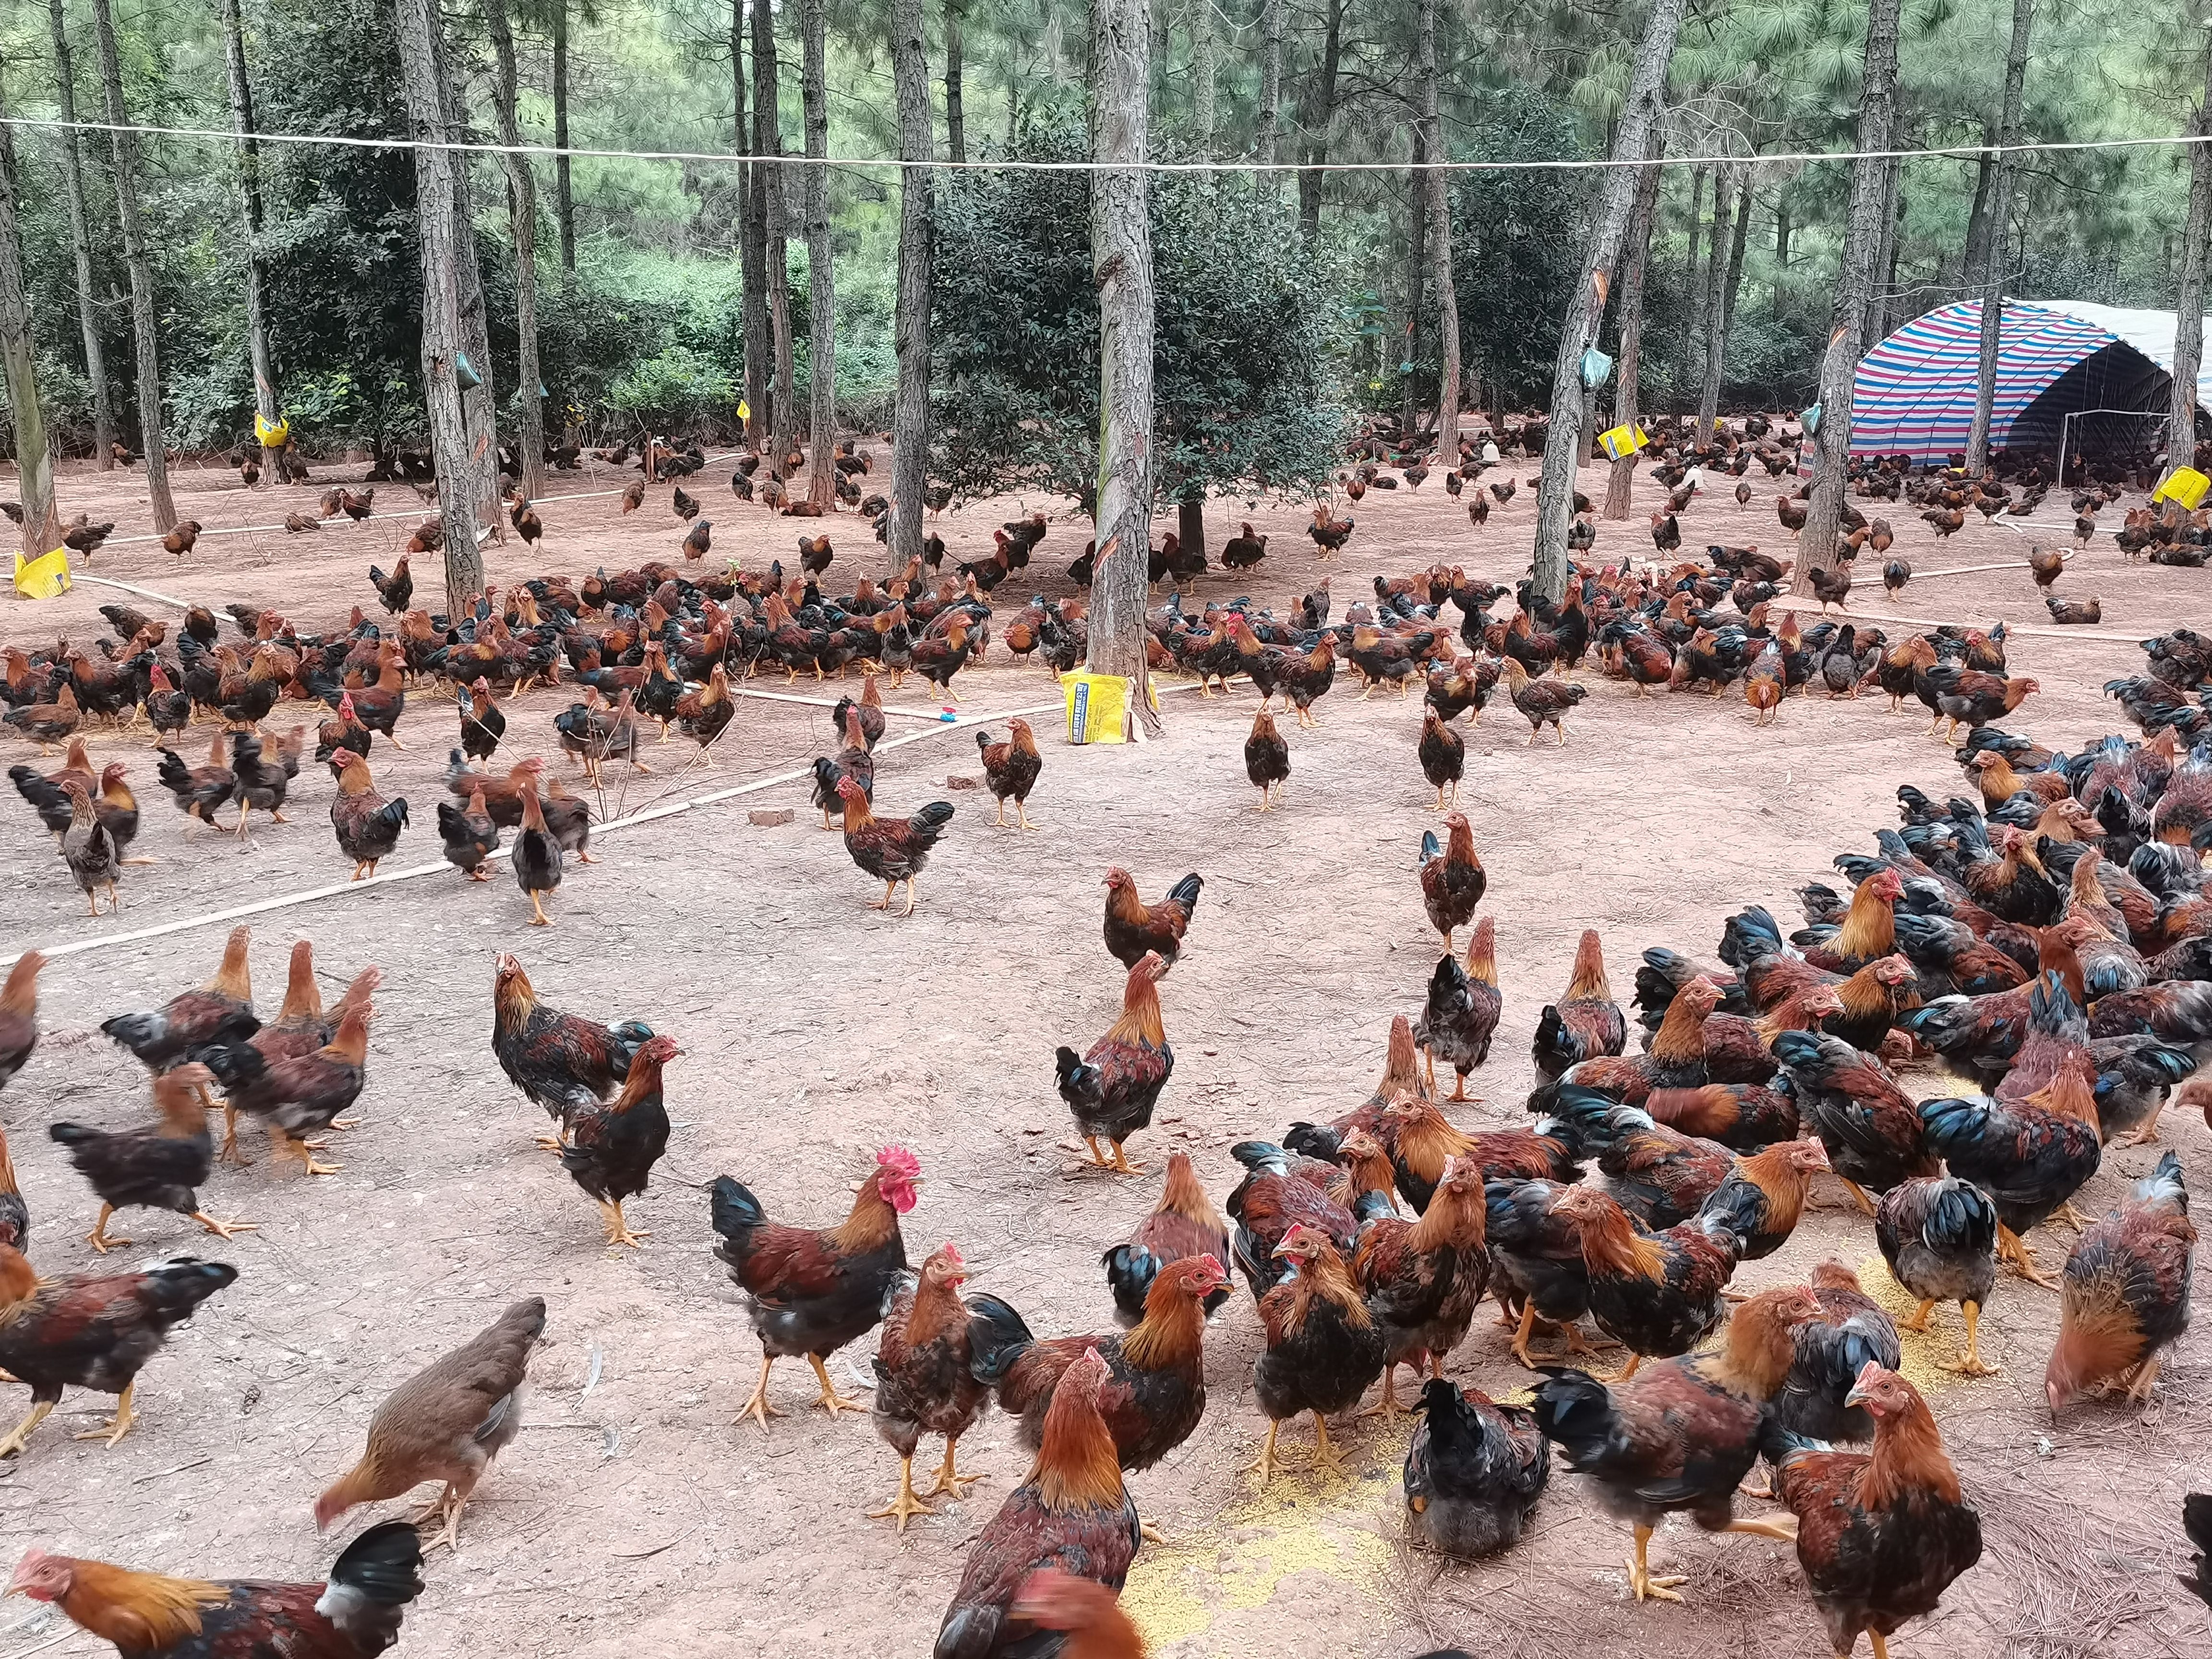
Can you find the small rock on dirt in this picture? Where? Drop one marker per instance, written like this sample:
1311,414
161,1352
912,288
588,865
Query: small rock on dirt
767,817
958,782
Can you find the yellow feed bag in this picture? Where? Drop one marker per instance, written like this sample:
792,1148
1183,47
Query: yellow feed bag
2187,486
1098,707
272,434
45,577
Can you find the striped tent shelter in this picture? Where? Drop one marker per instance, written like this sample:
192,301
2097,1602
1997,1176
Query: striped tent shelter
1915,394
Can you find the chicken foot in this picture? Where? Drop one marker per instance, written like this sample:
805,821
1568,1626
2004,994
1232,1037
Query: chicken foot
1325,1457
1970,1362
2015,1253
618,1231
905,1504
757,1406
948,1479
1639,1573
302,1150
220,1229
99,1238
119,1423
1388,1405
830,1401
41,1410
1266,1467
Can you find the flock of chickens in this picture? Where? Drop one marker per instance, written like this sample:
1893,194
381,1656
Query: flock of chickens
2046,936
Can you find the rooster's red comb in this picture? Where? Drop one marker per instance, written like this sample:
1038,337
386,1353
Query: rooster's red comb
901,1160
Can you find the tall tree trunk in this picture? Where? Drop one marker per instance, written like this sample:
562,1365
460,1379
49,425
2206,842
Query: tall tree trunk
1885,266
1438,201
916,254
1989,273
88,311
956,114
1586,309
1205,72
265,400
1691,285
1416,266
42,522
522,218
1320,120
821,292
768,142
418,26
1816,542
563,195
2189,294
1717,264
125,141
1271,83
479,403
1738,243
752,245
1627,388
1974,255
1121,266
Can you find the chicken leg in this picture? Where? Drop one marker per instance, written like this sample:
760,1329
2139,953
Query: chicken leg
221,1229
41,1410
1969,1362
618,1231
1639,1573
1122,1164
884,903
905,1504
2139,1385
1325,1456
1266,1467
2014,1250
303,1151
830,1399
1386,1404
1919,1320
1784,1529
120,1422
757,1405
538,916
99,1238
948,1479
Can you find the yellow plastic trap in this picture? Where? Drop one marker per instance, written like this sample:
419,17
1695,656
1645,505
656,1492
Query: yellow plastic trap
1621,441
272,435
1098,707
2186,486
45,577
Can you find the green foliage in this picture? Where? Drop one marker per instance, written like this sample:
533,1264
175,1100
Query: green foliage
1247,347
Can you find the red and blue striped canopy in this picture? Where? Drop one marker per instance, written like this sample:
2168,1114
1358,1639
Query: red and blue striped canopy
1915,392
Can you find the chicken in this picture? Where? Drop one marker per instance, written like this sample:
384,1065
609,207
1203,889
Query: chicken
2124,1293
447,1423
95,861
91,1331
1087,1613
199,791
1850,1333
1113,1089
536,856
1135,928
1743,1116
1323,1346
154,1169
367,825
1542,701
482,724
1939,1235
19,1014
1452,878
810,1292
703,716
1586,1023
1682,1435
611,1149
925,1381
1422,1279
299,1094
1870,1127
397,591
469,834
1762,1195
1656,1294
220,1011
563,1062
1473,1472
1661,1176
891,850
47,723
259,782
355,1615
1443,754
1881,1535
1183,1225
1266,759
2030,1156
1462,1010
300,1028
1011,768
1675,1059
1072,1512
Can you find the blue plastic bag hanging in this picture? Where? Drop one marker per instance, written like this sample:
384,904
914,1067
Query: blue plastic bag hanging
1811,419
465,372
1597,368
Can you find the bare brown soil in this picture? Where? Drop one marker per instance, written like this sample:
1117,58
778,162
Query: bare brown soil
632,1517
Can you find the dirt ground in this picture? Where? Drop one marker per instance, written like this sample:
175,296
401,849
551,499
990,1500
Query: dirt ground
632,1515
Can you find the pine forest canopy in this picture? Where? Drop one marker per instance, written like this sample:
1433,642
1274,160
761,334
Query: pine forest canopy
1288,304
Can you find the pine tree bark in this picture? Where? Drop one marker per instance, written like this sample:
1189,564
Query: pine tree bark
1417,270
125,148
1205,72
88,310
1640,112
42,523
522,217
752,245
1121,266
821,293
563,195
418,24
1717,263
1989,275
775,196
1885,267
1816,542
1437,190
1691,285
916,255
265,401
1620,480
1271,83
479,403
2189,294
1320,122
955,114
